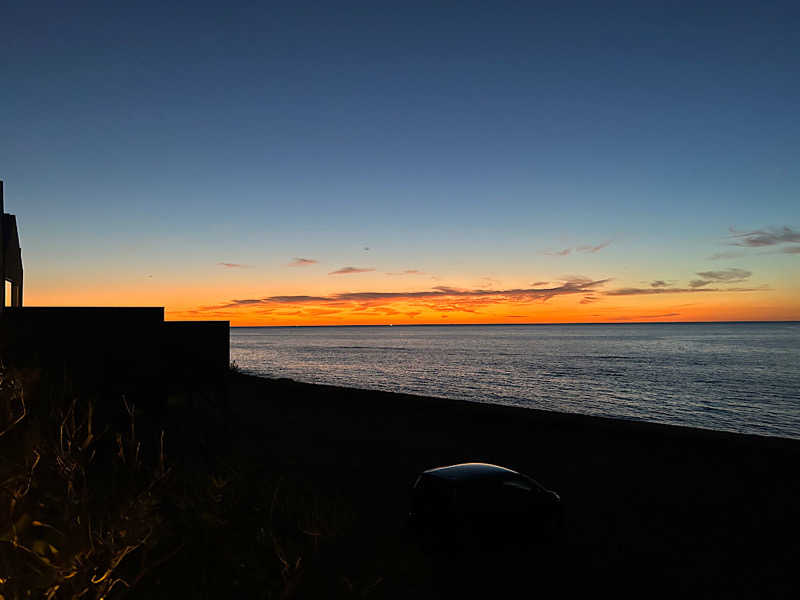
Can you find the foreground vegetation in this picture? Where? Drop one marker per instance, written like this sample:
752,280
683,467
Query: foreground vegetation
109,501
294,490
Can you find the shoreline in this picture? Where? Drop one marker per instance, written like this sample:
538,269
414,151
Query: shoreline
539,413
701,512
556,324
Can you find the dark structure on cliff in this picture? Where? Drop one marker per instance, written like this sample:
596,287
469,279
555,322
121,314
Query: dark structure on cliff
109,350
10,257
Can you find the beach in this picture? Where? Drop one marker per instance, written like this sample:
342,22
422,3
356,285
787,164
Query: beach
650,509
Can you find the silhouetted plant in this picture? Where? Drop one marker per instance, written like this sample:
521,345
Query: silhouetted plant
75,508
90,507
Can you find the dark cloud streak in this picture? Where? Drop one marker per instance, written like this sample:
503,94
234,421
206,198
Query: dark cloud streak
302,262
585,249
728,275
349,271
575,286
689,290
592,249
765,237
697,283
407,272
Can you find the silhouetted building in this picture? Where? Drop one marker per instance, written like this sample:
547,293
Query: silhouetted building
110,350
10,257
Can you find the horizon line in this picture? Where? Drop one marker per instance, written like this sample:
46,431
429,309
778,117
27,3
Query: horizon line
511,324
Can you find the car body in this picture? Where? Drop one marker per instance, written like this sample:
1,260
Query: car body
484,498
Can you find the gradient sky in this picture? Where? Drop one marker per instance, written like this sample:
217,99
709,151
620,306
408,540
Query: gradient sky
376,162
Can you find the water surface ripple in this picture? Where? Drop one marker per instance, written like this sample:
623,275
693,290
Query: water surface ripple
742,377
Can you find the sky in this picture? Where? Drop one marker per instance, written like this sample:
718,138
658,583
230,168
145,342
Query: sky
323,163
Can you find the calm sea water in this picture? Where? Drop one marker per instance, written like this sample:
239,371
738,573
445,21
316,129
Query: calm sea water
741,377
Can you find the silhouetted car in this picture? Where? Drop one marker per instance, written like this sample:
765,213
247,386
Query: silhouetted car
485,499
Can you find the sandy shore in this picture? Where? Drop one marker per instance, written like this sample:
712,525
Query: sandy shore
651,509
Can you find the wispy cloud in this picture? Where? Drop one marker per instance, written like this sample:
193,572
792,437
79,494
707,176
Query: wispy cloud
287,300
758,238
686,290
727,275
321,312
585,249
698,283
302,262
228,265
349,270
441,298
725,255
724,276
235,303
658,283
407,272
592,249
771,240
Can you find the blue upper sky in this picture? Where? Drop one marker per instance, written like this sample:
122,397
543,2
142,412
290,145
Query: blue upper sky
471,133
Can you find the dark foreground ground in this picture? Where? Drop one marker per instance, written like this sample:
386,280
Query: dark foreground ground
651,510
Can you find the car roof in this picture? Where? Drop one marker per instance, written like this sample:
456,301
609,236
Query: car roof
469,471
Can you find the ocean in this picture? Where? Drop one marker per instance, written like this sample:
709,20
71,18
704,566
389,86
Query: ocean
741,377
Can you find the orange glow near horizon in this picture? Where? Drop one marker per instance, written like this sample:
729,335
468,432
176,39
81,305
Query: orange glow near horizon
683,308
578,301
